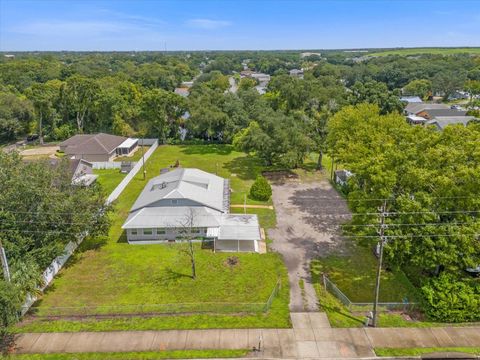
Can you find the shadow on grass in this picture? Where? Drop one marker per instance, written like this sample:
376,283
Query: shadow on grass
244,167
122,239
220,149
171,276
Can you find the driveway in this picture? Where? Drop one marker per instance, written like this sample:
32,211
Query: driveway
308,215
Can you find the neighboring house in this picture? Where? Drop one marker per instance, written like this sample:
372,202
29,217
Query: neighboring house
416,120
341,177
81,170
192,201
187,84
430,114
296,73
417,108
263,79
98,147
182,91
440,122
411,99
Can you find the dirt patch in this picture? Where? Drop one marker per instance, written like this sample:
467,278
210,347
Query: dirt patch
280,176
41,150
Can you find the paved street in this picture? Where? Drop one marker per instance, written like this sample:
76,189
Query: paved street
311,337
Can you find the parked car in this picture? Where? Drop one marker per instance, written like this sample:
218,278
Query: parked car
473,271
32,137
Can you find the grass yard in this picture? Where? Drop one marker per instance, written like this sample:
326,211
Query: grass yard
150,355
433,51
355,276
109,179
421,351
115,277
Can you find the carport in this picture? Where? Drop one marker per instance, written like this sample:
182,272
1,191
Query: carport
236,233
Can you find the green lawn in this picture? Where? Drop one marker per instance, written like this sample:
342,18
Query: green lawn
109,179
355,276
433,51
421,351
116,276
150,355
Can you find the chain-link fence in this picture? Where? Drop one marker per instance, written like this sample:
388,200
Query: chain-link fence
157,309
364,307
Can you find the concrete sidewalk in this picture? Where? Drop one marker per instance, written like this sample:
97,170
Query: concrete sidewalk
311,337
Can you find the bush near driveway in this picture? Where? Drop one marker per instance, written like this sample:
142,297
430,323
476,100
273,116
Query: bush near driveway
261,189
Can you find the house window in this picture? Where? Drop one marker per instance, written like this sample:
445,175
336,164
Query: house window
160,231
174,202
147,231
133,232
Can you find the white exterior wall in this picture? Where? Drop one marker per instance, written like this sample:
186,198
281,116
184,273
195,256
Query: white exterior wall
170,234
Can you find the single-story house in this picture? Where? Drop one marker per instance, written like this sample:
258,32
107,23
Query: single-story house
443,121
182,91
341,177
296,73
81,171
411,99
190,204
430,114
417,108
98,147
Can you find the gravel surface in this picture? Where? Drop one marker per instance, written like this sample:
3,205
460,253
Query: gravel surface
308,215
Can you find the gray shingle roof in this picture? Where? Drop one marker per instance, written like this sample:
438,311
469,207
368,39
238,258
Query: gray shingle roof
415,108
433,113
92,144
191,184
443,121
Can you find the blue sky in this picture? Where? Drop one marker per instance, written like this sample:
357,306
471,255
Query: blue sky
228,24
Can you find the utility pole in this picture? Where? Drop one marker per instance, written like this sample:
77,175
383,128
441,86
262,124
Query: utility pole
381,232
143,158
3,257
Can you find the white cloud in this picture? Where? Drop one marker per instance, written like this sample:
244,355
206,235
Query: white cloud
207,23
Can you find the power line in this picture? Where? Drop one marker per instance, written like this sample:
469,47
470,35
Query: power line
406,224
407,235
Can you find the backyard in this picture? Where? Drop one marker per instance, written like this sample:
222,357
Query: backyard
135,282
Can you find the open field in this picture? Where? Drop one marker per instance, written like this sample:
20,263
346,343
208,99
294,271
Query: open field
433,51
112,277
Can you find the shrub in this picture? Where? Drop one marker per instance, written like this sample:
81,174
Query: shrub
261,189
450,300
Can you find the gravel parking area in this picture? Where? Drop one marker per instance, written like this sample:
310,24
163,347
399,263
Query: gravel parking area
307,215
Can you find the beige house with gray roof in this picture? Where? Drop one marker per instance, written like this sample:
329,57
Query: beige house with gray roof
193,203
98,147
